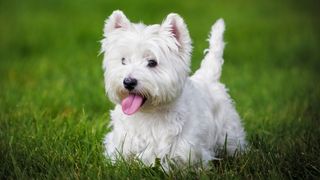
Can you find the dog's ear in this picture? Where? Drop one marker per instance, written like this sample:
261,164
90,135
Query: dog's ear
115,21
174,24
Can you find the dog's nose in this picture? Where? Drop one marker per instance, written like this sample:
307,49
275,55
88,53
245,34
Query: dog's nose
130,83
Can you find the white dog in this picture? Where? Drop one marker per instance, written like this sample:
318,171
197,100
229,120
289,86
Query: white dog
161,111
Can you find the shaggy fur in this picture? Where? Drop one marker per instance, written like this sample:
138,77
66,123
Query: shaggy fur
184,118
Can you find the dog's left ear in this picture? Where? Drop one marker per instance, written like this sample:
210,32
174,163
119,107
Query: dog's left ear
174,24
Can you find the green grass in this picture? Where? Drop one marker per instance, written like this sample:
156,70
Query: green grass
54,112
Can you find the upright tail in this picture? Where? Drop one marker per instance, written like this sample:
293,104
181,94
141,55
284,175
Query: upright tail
211,65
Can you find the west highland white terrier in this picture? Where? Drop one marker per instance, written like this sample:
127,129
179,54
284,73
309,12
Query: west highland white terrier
160,111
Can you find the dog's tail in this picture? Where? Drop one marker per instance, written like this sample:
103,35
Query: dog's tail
211,65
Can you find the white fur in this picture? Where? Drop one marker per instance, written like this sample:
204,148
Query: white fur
186,119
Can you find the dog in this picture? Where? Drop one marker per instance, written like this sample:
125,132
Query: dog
160,111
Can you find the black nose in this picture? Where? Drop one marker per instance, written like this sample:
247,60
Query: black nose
130,83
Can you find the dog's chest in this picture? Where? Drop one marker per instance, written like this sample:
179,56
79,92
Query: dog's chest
153,134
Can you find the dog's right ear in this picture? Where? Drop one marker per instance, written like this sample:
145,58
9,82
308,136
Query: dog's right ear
116,20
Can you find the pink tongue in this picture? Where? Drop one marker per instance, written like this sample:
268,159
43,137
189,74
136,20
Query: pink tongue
131,104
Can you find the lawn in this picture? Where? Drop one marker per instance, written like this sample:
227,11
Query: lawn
54,111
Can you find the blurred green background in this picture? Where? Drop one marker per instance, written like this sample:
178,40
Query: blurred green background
54,112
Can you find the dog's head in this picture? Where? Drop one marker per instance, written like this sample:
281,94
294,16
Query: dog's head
145,64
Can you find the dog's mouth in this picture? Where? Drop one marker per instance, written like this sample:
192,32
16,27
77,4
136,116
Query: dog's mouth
132,103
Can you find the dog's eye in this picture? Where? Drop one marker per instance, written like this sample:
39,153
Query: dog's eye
152,63
122,61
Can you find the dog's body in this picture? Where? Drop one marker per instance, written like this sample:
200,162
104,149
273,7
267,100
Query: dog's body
169,115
